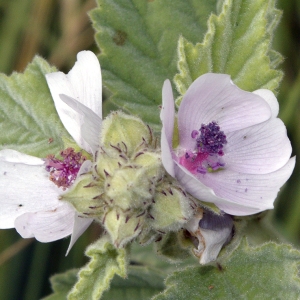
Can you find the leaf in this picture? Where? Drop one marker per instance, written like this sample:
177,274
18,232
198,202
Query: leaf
237,43
95,277
61,284
266,272
28,120
138,43
142,283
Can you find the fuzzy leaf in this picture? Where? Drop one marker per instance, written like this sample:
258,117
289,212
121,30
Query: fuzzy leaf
28,120
266,272
138,43
237,43
95,277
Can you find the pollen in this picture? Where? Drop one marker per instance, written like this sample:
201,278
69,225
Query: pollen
63,172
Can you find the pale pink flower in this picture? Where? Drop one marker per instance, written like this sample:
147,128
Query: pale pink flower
232,151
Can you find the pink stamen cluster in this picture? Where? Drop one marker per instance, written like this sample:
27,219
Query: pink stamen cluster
63,172
210,141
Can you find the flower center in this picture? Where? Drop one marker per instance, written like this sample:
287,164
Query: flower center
208,152
63,172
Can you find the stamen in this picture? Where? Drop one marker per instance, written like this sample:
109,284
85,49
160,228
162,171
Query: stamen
211,139
206,156
64,172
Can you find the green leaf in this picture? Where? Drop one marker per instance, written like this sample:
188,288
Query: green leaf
95,277
142,283
29,122
138,43
266,272
61,284
237,43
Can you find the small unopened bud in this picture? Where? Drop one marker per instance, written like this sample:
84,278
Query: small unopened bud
121,227
125,134
86,196
171,208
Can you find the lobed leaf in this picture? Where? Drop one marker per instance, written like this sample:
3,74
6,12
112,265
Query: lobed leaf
238,43
95,277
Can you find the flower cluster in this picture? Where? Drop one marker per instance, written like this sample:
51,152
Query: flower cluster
229,149
232,150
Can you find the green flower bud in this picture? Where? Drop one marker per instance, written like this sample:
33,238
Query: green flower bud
86,196
121,227
126,134
171,208
128,163
120,187
129,188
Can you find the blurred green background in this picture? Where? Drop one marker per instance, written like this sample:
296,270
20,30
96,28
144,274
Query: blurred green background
57,30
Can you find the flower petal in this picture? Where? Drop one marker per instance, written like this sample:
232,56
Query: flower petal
206,193
14,156
213,241
24,187
213,97
258,149
47,226
270,98
212,232
253,191
167,116
195,187
83,83
80,226
90,124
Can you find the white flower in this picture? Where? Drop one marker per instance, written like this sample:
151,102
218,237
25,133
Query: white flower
232,150
29,200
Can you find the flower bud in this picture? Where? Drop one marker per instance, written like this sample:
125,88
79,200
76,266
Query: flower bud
120,187
121,227
171,208
124,134
86,196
